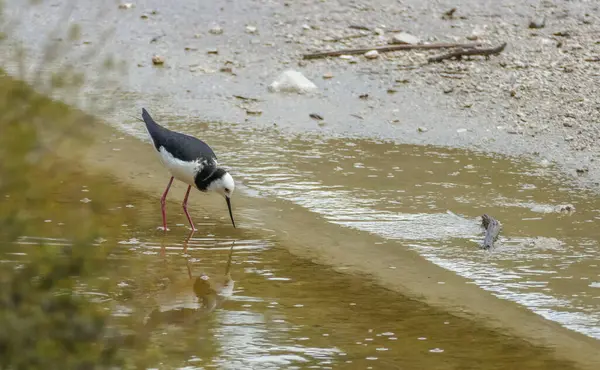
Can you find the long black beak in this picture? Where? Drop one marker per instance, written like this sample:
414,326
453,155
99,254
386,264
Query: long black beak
229,206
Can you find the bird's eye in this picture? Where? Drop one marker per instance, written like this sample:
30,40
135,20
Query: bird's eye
227,190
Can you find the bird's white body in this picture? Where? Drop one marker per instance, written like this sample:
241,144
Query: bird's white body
182,171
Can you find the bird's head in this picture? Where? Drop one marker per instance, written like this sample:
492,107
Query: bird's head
225,186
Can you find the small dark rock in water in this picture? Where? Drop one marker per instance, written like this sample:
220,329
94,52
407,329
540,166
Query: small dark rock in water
364,96
581,170
448,90
562,33
538,22
315,116
565,208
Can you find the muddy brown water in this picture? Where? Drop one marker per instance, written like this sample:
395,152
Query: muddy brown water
280,311
429,199
384,207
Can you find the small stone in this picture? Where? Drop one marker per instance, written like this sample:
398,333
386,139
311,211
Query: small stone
422,129
198,35
568,124
158,60
306,27
144,16
562,34
251,29
461,130
216,30
347,57
582,170
537,22
472,37
253,112
449,14
565,208
575,46
448,90
363,96
379,31
327,76
404,38
213,51
372,54
569,138
292,81
316,116
126,6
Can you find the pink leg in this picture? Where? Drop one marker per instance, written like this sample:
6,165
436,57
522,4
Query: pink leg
162,204
187,194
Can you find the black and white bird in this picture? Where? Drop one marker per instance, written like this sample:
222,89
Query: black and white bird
191,161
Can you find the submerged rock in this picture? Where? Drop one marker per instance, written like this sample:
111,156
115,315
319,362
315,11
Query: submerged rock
292,81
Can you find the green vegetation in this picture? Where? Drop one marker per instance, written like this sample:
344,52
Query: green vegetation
43,321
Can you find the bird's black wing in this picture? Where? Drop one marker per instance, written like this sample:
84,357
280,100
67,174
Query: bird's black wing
181,146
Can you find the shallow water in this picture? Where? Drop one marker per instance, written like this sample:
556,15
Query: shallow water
429,199
270,310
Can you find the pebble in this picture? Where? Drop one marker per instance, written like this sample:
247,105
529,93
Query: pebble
422,129
306,27
216,30
292,81
537,22
158,60
372,54
404,38
126,6
251,29
327,76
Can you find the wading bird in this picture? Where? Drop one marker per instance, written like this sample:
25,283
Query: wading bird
191,161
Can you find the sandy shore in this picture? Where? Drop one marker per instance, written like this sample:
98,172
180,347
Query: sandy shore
537,98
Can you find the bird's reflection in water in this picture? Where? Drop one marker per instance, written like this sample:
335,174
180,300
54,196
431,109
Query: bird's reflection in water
200,296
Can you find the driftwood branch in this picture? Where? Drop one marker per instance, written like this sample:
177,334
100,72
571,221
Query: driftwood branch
385,48
468,52
492,229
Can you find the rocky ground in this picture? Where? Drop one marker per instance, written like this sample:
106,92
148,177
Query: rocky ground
544,85
538,97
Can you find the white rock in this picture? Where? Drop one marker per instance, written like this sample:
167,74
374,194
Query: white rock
306,27
251,29
372,54
216,30
126,6
292,81
404,38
